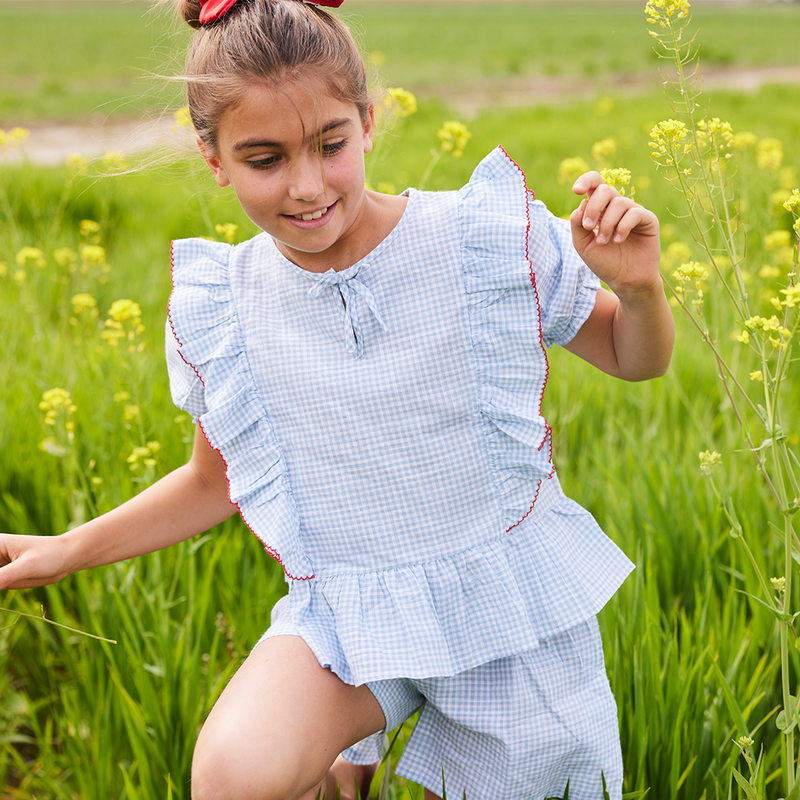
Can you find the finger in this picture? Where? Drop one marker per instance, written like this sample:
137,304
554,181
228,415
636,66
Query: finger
587,182
599,202
613,213
11,575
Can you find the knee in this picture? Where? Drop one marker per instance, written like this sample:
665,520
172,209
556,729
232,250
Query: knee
231,770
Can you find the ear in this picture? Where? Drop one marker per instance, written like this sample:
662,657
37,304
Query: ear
220,176
369,129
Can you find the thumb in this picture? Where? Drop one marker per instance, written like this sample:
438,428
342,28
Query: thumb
11,574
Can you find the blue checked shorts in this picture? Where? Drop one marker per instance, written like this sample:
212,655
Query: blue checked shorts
517,728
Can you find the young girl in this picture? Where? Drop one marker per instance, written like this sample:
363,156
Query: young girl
366,376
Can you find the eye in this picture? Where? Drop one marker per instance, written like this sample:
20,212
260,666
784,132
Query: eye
332,148
263,163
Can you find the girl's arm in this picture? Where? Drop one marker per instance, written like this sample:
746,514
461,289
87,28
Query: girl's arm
186,502
630,332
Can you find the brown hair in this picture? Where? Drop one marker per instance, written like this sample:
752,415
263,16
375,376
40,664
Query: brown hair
267,40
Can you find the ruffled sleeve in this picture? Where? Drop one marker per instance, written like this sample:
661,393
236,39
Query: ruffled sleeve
184,383
209,341
566,286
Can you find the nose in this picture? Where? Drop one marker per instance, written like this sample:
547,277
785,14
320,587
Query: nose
306,181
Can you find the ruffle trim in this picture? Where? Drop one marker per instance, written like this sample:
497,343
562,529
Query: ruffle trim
203,318
552,572
505,320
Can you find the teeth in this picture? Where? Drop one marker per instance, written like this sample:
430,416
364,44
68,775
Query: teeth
309,217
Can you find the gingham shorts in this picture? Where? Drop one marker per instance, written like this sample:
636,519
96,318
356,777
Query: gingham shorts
517,728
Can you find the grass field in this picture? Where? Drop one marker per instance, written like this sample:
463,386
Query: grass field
104,66
693,662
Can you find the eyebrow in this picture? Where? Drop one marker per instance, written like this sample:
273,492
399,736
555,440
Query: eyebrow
251,144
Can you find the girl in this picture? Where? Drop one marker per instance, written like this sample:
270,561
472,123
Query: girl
366,376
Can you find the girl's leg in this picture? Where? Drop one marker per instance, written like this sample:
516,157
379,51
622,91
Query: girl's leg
279,726
429,795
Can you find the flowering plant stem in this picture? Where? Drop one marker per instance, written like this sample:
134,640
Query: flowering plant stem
695,152
43,618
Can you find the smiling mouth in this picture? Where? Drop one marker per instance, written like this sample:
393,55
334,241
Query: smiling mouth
309,217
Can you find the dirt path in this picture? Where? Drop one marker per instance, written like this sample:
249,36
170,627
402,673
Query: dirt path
53,144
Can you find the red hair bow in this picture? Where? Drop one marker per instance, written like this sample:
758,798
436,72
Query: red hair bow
214,9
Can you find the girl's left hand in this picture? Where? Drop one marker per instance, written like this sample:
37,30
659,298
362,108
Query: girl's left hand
616,237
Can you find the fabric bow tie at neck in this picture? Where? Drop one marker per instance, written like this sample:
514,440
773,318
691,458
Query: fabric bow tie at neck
350,293
214,9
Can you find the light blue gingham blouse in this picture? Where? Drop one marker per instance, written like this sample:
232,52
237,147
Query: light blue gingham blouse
383,434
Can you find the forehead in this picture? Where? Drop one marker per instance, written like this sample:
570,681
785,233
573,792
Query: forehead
291,112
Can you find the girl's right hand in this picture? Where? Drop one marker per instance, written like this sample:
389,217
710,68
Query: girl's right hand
27,561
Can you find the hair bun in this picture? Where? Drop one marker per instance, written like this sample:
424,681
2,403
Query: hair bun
190,11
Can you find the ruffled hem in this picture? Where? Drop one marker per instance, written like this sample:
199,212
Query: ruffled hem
204,321
506,330
553,571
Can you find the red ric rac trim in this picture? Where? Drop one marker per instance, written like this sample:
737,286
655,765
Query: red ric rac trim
270,550
548,436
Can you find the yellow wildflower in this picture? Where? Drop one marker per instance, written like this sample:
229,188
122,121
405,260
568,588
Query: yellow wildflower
121,397
55,400
743,140
20,275
65,257
769,153
709,461
33,254
618,178
743,337
88,227
792,296
93,257
454,137
661,12
144,455
779,585
402,101
793,201
757,375
715,131
122,310
768,272
80,302
777,239
227,231
129,413
13,138
668,131
604,148
76,163
182,117
691,271
570,169
57,404
666,141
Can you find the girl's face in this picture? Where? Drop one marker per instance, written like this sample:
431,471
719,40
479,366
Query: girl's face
295,159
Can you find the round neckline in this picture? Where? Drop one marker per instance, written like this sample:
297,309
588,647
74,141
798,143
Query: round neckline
353,269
